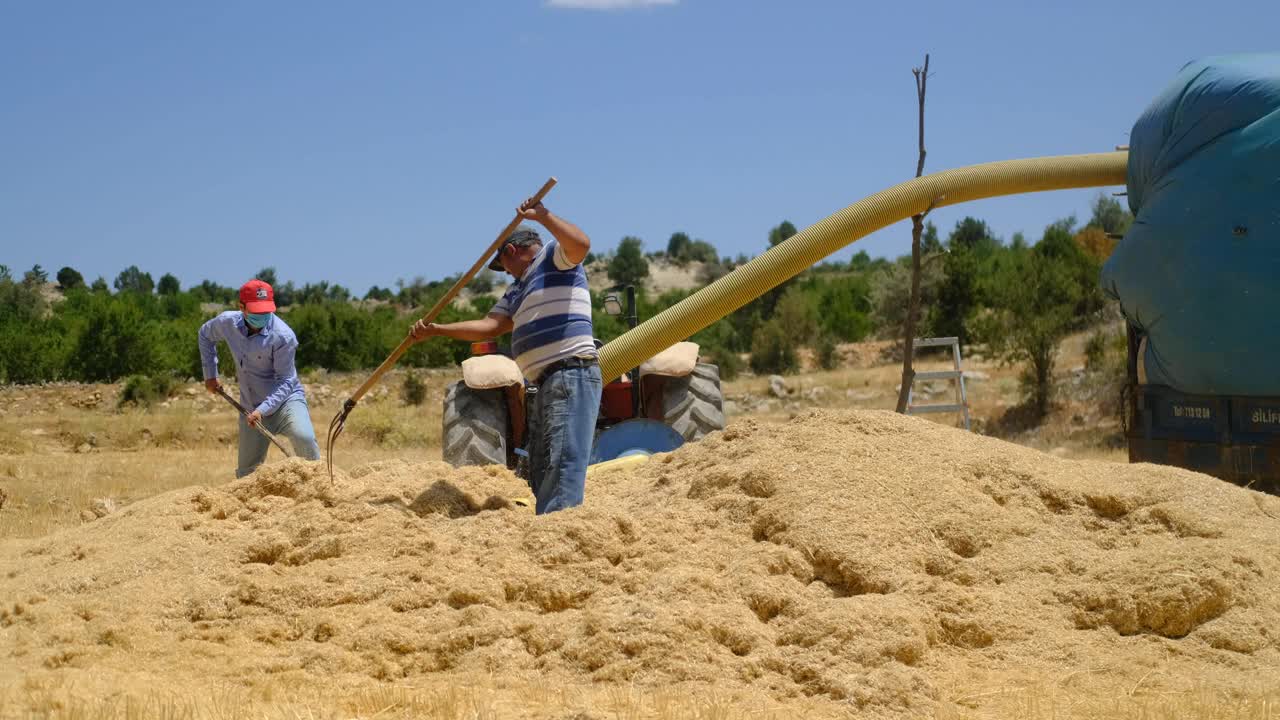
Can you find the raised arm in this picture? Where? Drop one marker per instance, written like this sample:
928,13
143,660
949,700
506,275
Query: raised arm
573,242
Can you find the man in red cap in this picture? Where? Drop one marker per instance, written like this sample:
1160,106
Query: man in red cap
264,348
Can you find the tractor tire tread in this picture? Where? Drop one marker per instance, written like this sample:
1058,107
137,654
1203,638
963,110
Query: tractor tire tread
475,426
693,405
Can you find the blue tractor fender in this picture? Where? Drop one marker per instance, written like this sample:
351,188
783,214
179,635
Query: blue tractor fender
634,437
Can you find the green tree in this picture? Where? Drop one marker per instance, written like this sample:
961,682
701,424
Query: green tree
31,352
703,252
718,340
211,292
678,247
1066,226
21,301
100,285
336,336
322,292
268,276
798,317
968,247
133,280
628,265
115,340
1059,246
32,345
285,294
420,293
713,271
929,242
377,293
772,350
891,295
69,279
1034,298
169,285
844,307
744,323
769,300
828,353
726,360
1109,215
36,276
782,232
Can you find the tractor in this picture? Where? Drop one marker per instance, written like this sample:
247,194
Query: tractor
667,401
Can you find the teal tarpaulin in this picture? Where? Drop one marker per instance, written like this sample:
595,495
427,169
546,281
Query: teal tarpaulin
1199,271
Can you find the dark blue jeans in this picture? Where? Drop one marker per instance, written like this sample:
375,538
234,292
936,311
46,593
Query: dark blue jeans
562,427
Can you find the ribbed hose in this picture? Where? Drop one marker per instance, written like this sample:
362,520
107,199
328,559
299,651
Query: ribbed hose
790,258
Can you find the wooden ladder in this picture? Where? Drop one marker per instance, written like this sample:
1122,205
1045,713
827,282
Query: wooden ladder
962,401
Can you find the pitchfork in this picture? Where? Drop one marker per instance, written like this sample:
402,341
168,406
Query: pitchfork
340,420
245,414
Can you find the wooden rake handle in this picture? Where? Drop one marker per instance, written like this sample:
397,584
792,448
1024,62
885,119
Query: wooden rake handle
444,301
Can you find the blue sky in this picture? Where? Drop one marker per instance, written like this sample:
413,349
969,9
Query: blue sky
364,142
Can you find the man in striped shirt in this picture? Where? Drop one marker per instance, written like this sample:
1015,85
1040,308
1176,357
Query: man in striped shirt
547,310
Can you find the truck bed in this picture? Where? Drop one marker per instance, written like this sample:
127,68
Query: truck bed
1236,439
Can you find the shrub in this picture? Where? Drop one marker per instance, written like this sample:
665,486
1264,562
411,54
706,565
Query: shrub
772,350
414,390
1095,350
828,353
145,390
727,361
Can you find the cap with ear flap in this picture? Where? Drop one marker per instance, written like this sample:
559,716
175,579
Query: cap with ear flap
521,237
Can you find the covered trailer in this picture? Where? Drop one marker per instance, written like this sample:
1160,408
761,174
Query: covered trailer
1198,274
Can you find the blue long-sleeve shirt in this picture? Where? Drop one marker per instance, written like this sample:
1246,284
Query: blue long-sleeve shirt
264,360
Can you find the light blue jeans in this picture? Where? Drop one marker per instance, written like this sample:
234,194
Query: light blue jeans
562,428
292,421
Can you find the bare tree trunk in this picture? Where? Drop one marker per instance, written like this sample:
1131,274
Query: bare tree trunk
917,228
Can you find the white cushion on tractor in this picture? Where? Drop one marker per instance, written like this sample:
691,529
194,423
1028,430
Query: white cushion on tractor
676,361
486,372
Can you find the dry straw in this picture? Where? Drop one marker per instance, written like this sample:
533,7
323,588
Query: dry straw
857,560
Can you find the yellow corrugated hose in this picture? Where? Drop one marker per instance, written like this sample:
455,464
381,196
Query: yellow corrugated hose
860,219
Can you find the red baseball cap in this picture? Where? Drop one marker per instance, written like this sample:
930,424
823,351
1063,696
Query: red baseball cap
258,297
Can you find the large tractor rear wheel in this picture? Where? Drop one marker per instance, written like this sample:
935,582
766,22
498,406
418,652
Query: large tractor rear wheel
693,405
476,426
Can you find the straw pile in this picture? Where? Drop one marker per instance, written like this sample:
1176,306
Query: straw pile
868,560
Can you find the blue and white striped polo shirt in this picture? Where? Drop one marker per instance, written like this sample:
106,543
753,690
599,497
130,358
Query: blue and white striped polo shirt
550,309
